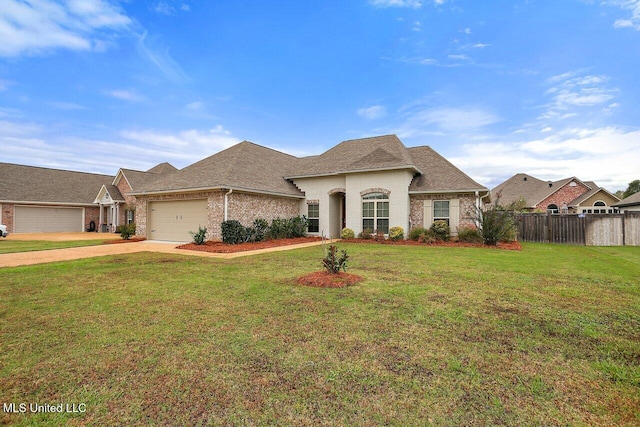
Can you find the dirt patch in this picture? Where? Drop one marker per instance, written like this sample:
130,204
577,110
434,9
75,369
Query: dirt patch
512,246
132,240
322,279
225,248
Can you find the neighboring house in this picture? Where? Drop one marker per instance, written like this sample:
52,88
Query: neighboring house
35,199
630,204
373,183
569,195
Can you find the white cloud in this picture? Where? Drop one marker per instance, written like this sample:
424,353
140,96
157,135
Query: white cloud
373,112
37,27
633,6
608,156
67,106
396,3
164,8
195,106
571,91
185,7
446,121
125,95
161,58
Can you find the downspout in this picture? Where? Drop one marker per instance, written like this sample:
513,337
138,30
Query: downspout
226,204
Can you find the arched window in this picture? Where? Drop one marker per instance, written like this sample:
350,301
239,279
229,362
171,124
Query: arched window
599,203
375,212
553,208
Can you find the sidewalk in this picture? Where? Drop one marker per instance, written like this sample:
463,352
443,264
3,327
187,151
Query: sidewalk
54,255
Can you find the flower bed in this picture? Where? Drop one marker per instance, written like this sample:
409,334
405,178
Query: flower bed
225,248
131,240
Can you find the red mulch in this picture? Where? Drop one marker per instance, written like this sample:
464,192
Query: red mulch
225,248
131,240
511,246
322,279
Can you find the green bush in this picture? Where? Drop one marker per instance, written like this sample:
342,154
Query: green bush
496,224
396,233
127,230
440,230
334,263
288,228
199,236
416,232
347,233
469,235
366,234
428,237
233,232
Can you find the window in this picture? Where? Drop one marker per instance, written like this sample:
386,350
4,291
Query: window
313,215
553,208
375,212
599,203
441,210
130,216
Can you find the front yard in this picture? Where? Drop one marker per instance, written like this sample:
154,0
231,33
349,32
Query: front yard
549,335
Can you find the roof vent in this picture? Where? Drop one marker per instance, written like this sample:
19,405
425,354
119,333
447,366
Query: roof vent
550,184
524,179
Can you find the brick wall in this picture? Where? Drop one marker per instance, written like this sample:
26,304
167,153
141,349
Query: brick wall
467,207
564,195
130,201
7,216
91,214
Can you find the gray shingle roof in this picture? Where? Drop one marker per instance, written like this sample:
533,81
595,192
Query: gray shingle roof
438,173
632,200
37,184
246,166
356,155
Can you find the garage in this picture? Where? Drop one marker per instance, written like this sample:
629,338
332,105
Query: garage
173,220
40,219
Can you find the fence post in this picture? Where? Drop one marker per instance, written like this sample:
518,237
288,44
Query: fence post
624,222
549,227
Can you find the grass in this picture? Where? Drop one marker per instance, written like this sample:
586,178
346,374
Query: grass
11,246
443,336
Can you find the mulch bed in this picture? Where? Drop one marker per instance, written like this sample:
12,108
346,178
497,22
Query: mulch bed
511,246
322,279
225,248
131,240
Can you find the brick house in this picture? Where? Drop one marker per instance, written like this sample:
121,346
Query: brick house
373,183
569,195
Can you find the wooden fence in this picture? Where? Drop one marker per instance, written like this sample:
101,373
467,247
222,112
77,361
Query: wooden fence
580,229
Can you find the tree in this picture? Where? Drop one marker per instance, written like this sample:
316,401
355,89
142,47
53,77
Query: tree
633,188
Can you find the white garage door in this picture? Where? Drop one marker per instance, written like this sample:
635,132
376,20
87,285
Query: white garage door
37,219
173,220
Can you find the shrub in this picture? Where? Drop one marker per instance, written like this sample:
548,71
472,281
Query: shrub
334,263
288,228
127,230
233,232
378,236
469,235
347,233
366,234
396,233
440,230
496,224
199,236
416,232
428,237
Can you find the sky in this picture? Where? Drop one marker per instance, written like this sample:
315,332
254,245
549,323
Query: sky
545,87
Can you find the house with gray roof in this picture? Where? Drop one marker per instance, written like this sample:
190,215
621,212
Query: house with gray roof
630,204
568,195
369,183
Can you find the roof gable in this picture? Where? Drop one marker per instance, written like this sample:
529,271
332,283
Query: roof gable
358,155
632,200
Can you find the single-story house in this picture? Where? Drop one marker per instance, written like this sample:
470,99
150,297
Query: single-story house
569,195
370,183
630,204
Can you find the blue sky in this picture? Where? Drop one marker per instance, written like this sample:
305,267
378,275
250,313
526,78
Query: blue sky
548,88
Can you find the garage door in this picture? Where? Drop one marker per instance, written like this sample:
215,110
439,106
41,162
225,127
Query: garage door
174,220
37,219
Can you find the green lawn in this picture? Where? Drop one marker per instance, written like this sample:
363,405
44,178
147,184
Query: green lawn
449,336
11,246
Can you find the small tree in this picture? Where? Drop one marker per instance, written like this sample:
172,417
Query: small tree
127,230
199,236
495,224
332,262
633,188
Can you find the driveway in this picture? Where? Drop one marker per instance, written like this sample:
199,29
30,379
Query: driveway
61,237
54,255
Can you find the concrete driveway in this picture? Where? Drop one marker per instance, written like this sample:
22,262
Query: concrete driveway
54,255
61,237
